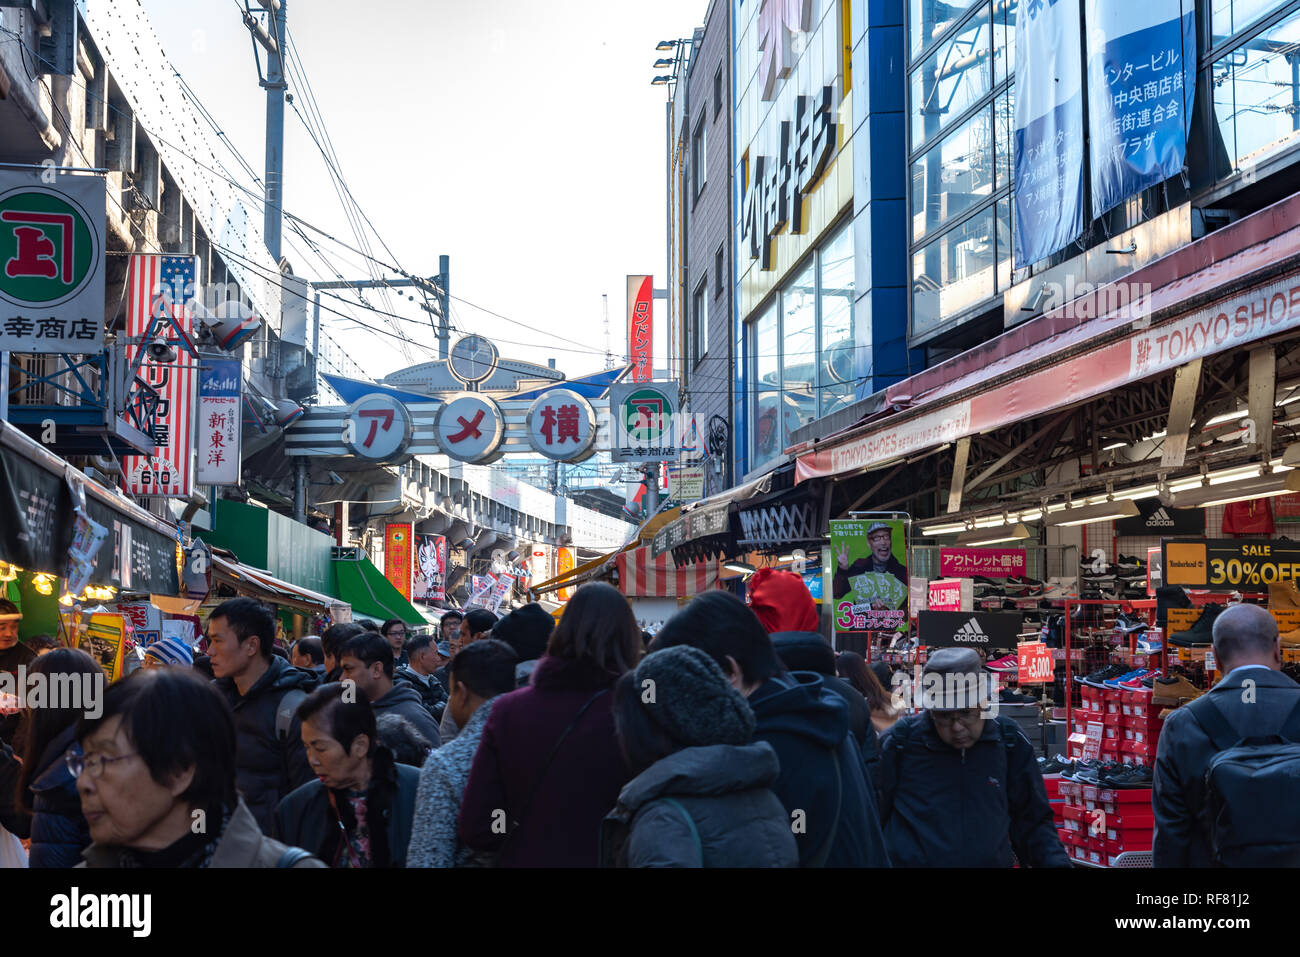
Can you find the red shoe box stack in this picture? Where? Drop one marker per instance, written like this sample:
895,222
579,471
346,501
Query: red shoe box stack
1141,727
1102,823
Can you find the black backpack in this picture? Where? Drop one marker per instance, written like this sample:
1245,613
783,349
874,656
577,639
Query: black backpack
1252,787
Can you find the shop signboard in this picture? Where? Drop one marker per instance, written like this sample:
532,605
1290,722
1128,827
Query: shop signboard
944,595
640,327
984,562
51,263
1141,84
160,290
563,565
980,630
500,591
686,484
702,522
430,568
399,557
562,426
1247,565
1035,665
145,618
470,427
104,640
377,428
1092,742
869,574
813,582
480,590
1049,133
1154,519
220,421
643,421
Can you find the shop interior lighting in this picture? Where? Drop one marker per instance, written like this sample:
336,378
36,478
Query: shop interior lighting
994,536
743,568
1260,486
1226,417
1114,445
43,583
1087,514
8,572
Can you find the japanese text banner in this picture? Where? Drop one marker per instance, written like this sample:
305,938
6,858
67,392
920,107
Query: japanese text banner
1141,84
1049,129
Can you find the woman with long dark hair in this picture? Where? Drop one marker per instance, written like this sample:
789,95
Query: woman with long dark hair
74,685
549,757
854,670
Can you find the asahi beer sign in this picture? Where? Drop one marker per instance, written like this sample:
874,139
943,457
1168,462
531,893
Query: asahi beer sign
51,262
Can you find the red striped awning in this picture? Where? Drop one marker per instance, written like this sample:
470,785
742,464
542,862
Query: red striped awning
640,576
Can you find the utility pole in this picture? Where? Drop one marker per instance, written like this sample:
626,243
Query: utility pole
274,84
444,302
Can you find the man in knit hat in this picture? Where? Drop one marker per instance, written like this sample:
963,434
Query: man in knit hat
959,784
702,795
168,652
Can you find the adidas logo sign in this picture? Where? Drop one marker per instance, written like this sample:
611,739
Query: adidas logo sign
1159,519
971,632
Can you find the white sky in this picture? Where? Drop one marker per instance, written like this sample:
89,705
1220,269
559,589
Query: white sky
522,139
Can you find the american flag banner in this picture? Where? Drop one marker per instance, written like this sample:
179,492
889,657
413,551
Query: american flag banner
158,291
640,576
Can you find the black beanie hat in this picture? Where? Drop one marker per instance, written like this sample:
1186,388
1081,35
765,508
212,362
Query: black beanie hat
692,699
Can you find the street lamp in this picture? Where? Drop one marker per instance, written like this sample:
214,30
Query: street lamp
667,44
661,81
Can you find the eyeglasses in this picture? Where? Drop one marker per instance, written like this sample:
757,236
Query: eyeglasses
966,716
78,762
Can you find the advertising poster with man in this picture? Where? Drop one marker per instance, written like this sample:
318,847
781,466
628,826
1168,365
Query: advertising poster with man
869,574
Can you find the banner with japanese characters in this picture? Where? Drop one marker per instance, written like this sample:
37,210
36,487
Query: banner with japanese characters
984,562
51,262
1048,197
640,327
220,387
1141,84
430,568
869,574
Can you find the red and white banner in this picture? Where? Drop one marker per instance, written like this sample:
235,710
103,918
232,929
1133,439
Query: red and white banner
169,471
944,595
640,327
640,576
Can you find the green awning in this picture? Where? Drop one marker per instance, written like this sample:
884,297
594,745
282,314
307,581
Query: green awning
361,584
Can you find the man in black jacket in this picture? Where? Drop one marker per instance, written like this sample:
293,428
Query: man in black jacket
367,659
263,691
959,785
831,804
423,660
1254,697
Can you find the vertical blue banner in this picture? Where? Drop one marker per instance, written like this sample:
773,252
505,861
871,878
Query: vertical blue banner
1048,199
1141,84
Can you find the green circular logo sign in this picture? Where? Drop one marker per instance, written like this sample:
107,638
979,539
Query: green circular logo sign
48,252
646,413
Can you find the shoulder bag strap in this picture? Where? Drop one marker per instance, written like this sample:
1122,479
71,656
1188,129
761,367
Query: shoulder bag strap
541,775
823,852
690,822
1214,723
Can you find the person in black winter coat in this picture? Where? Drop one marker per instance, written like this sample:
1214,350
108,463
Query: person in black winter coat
821,784
422,661
357,781
1255,699
367,659
702,795
960,786
263,691
46,791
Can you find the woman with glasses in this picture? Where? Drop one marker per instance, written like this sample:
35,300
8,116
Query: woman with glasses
156,775
959,784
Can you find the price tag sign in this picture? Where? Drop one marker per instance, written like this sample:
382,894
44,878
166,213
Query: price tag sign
1092,746
1036,665
1210,664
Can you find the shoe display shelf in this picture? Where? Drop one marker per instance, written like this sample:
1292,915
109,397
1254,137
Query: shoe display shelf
1091,628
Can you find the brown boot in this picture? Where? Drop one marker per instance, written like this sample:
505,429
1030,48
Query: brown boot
1290,639
1283,594
1171,692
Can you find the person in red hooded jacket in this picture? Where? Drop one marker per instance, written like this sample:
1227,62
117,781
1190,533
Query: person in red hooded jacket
784,605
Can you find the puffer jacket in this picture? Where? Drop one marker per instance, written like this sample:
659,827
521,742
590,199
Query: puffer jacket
59,831
267,768
404,699
706,806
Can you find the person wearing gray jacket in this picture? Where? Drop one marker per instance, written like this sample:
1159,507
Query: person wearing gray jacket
702,796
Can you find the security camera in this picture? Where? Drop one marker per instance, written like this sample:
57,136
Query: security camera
160,351
230,333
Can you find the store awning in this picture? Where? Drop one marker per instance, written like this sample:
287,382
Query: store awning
783,520
370,593
706,528
605,563
640,575
1058,359
260,584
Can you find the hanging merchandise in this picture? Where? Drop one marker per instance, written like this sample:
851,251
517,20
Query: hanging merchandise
480,590
1254,517
87,537
105,641
500,590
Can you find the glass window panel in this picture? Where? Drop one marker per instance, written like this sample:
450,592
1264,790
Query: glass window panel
953,273
799,345
837,365
1232,16
1004,135
1256,96
952,176
929,18
951,79
1004,244
765,430
1004,43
